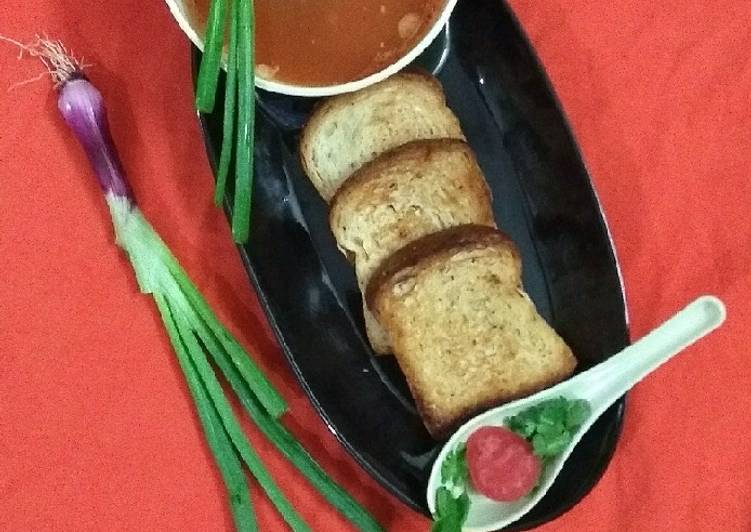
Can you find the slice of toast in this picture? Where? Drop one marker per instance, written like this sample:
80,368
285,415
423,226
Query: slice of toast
464,333
351,129
416,189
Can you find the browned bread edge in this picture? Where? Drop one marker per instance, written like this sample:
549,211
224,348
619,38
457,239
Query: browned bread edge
422,147
435,247
441,428
322,107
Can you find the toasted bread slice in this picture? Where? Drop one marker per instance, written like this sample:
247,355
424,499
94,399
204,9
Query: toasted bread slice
351,129
464,333
416,189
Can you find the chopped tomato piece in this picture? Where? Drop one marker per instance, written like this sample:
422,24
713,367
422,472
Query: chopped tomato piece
502,465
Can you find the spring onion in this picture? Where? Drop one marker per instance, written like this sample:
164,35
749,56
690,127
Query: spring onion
159,274
231,425
239,103
245,121
196,335
219,442
295,453
208,75
230,96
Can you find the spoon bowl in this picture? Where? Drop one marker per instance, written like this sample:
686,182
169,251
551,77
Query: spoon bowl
601,385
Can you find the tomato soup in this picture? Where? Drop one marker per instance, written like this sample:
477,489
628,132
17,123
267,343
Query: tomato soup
326,42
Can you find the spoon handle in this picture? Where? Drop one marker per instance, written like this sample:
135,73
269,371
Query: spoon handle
607,381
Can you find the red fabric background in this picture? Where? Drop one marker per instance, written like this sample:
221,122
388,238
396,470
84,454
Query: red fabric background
96,428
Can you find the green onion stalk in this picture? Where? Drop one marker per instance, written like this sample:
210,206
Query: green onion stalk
199,340
239,102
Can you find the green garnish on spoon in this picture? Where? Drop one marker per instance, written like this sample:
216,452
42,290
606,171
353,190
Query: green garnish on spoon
451,499
547,428
550,425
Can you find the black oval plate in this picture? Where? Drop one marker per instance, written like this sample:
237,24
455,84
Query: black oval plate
542,197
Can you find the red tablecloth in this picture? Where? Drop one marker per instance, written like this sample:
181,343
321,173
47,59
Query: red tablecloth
97,431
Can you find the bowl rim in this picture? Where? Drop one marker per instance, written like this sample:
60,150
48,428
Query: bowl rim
180,14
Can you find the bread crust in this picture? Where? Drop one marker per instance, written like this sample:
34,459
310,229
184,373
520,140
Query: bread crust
437,250
325,108
421,149
433,248
445,164
465,334
441,428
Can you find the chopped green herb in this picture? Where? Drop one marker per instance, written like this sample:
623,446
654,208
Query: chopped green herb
454,467
550,425
452,500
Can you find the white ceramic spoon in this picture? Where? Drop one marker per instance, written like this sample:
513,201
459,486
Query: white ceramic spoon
601,385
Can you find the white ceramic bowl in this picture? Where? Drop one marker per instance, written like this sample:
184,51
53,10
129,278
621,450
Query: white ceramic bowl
183,13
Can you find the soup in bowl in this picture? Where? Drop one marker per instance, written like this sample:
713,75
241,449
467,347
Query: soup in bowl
326,47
